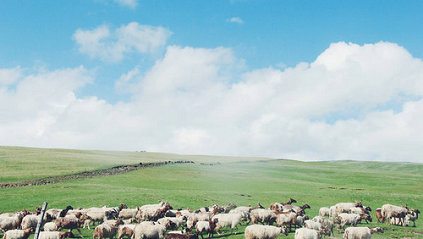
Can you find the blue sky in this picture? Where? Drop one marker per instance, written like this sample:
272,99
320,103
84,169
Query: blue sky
283,78
274,33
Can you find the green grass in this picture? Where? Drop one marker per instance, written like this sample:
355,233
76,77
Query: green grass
237,180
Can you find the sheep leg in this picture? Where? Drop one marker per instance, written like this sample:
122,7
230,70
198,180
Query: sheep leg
80,233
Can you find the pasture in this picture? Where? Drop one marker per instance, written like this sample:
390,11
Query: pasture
240,181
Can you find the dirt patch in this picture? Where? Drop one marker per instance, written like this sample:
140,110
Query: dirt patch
88,174
357,189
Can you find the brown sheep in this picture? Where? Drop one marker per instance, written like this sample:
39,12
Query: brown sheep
69,223
379,215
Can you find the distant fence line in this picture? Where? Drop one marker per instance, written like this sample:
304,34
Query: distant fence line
89,174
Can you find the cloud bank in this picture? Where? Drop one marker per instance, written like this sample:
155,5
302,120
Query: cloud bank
360,102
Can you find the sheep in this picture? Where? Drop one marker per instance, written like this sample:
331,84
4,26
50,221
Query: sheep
324,211
400,216
347,219
276,206
152,212
344,207
332,212
128,213
294,208
305,233
29,221
126,230
17,234
226,220
106,229
55,235
388,210
397,221
413,216
172,222
378,214
64,211
52,214
69,223
245,213
206,227
149,230
50,227
196,217
180,235
10,221
360,232
263,232
263,216
287,219
300,220
326,225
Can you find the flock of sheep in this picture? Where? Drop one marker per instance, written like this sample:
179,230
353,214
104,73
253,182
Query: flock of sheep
154,220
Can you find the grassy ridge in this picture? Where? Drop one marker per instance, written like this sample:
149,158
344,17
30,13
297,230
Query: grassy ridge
20,163
242,183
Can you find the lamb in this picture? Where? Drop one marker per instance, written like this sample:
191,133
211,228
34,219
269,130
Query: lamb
388,210
50,227
324,211
126,230
55,235
10,221
263,216
29,221
305,233
17,234
106,229
149,230
206,227
263,232
360,232
413,216
226,220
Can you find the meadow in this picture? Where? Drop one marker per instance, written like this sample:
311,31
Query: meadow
240,181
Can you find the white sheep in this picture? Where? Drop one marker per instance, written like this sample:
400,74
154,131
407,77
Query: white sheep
17,234
50,227
263,216
263,232
149,230
344,207
197,217
305,233
324,211
204,227
245,212
168,221
152,212
10,221
29,221
227,220
128,213
107,229
360,232
347,219
388,210
332,212
55,235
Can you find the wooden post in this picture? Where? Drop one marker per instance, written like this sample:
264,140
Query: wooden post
40,220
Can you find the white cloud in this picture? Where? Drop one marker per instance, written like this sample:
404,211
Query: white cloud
127,3
236,20
193,100
9,76
112,46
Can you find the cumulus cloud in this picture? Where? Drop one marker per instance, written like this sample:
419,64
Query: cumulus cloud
236,20
9,76
111,46
361,102
127,3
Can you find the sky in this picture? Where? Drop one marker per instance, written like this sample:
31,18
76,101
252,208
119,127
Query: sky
305,80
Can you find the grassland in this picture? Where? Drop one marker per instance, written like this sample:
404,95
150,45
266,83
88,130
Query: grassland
241,181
